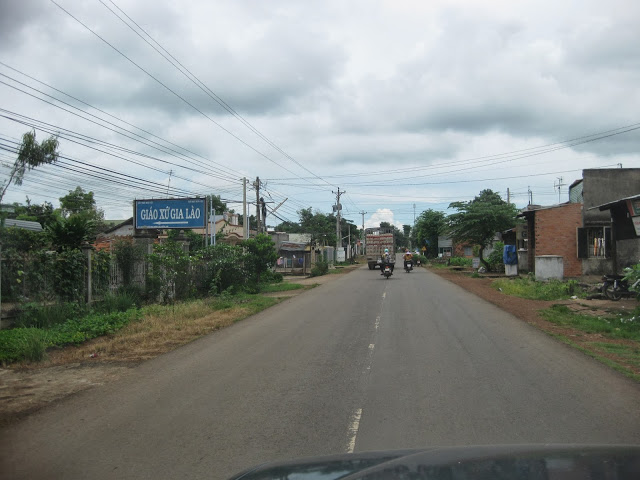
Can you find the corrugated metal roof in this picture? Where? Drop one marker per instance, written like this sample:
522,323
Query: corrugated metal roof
24,224
607,206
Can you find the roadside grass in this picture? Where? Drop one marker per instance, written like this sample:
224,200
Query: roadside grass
526,287
612,326
623,330
630,354
31,343
437,265
280,287
135,335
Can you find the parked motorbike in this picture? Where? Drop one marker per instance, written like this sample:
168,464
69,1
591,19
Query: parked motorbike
408,266
615,287
418,262
386,271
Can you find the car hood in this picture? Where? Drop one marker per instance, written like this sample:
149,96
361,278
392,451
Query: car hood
521,462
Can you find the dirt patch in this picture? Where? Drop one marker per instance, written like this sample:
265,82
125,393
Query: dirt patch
26,388
529,310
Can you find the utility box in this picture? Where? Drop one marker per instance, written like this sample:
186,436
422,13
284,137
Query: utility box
549,267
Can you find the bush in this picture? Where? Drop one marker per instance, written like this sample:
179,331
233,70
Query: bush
120,301
495,258
34,315
320,268
459,262
271,277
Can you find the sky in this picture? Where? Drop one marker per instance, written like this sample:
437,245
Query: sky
402,106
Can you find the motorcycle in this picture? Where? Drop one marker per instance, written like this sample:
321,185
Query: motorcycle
418,262
615,287
386,271
408,266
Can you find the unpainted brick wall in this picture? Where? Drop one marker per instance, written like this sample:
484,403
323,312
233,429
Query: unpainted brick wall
556,234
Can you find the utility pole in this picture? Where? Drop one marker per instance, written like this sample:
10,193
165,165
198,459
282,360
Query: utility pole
530,195
559,186
245,220
256,184
414,214
169,182
508,195
364,237
338,207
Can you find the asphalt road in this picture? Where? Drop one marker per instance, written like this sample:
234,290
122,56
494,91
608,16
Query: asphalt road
360,363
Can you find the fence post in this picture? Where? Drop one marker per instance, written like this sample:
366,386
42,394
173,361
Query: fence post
87,249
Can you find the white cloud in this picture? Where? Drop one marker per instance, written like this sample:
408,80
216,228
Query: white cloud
419,99
382,215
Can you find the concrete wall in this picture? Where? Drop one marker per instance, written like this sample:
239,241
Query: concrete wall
555,234
628,253
549,267
606,185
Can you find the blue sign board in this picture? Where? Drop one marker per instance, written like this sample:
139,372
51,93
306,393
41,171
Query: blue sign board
171,213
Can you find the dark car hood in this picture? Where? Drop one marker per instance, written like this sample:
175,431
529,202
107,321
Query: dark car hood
521,462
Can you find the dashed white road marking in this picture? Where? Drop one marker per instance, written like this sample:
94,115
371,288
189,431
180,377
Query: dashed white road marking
377,322
353,430
384,294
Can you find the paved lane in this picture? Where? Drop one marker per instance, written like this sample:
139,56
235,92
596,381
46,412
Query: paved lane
358,363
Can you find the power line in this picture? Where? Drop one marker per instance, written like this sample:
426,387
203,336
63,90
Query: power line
159,82
201,85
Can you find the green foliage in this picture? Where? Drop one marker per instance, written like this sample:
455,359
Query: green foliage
429,226
320,268
221,267
120,301
271,277
69,269
127,255
476,222
30,343
527,287
168,263
614,326
631,275
260,256
280,287
43,214
77,201
31,154
459,262
495,258
35,315
72,232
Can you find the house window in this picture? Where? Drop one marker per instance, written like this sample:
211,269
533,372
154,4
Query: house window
468,251
444,251
594,242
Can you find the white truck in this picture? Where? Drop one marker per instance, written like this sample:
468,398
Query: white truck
376,240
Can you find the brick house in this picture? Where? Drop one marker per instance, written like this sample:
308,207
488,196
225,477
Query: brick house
552,231
580,231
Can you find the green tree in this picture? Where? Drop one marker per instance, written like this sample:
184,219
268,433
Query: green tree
429,226
43,214
477,221
31,154
260,256
70,233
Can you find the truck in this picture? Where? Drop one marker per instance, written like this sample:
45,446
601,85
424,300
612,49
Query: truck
376,240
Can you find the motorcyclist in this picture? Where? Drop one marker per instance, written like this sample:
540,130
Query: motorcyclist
408,257
386,260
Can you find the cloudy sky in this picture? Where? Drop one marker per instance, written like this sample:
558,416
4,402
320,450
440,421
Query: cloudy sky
405,105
